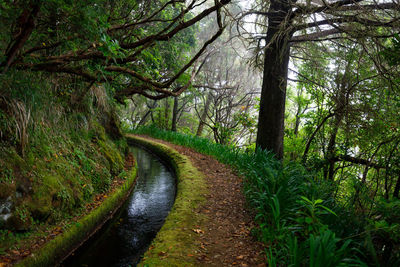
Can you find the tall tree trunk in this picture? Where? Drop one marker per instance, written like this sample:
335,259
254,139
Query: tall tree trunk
308,144
397,188
340,106
294,155
387,165
144,118
297,123
174,114
300,110
203,116
331,149
166,114
273,94
150,112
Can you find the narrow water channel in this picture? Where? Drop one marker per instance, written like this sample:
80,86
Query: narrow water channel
122,241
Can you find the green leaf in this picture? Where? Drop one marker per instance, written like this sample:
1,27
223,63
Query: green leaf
318,201
328,210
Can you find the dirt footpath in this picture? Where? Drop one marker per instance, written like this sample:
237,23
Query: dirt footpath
225,238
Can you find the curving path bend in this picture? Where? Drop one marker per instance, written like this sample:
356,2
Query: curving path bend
224,238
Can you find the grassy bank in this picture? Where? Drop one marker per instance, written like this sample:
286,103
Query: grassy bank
59,149
53,182
176,241
82,229
298,220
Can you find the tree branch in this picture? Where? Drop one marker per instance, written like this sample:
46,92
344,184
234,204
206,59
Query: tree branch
27,24
183,25
360,161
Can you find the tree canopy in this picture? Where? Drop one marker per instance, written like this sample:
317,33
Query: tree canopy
140,47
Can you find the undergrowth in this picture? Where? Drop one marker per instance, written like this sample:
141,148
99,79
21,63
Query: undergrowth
55,151
75,232
298,220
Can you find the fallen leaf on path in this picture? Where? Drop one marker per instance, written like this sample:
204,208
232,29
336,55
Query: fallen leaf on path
161,253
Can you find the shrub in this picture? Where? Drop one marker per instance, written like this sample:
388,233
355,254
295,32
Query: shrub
294,210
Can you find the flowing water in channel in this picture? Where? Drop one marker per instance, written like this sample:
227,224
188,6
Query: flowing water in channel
122,241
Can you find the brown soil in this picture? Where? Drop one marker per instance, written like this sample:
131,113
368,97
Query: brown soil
226,239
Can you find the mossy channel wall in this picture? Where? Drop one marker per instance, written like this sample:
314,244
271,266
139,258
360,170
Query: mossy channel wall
176,242
65,243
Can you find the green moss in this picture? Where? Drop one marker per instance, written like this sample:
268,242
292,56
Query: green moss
176,241
14,158
57,248
57,176
112,124
97,131
6,190
116,164
50,181
44,191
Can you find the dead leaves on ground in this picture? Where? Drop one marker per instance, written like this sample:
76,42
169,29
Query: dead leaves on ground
198,231
225,239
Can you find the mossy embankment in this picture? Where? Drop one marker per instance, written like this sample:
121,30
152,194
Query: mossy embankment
176,242
61,148
80,230
59,178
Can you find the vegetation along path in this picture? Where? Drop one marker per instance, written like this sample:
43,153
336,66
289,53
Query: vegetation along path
225,237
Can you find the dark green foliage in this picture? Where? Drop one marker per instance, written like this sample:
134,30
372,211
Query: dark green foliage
54,155
296,217
101,41
392,53
345,130
51,253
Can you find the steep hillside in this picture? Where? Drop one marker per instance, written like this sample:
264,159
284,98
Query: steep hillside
57,150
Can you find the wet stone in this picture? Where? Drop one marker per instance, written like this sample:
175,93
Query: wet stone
5,210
